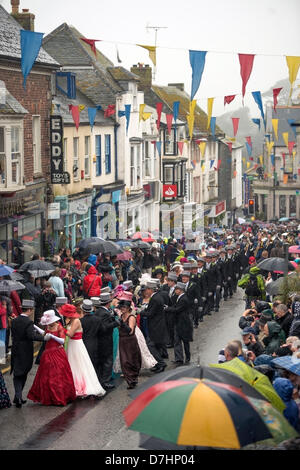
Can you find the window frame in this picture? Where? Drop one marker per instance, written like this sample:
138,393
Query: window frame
107,149
98,168
36,144
77,176
87,156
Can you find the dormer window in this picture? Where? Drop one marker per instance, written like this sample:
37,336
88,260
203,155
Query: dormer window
66,83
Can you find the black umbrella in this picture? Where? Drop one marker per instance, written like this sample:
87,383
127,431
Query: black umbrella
96,245
275,287
7,285
200,372
275,264
37,268
140,244
16,276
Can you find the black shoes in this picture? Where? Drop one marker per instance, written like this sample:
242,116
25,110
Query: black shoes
108,386
196,325
216,309
131,386
18,402
169,346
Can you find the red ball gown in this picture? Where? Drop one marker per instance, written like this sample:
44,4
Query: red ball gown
53,383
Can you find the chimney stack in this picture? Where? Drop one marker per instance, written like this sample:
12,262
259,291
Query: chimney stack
145,74
24,18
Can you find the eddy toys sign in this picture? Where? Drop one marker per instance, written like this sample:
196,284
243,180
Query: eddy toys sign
58,176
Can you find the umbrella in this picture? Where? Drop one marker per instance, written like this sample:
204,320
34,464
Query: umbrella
96,245
5,270
16,276
144,236
289,363
140,244
284,219
124,243
124,256
38,268
8,285
258,380
274,264
199,372
275,287
193,412
294,249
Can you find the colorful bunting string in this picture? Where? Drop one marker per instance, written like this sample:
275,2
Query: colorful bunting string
91,43
228,99
276,92
31,43
152,52
197,61
210,102
246,65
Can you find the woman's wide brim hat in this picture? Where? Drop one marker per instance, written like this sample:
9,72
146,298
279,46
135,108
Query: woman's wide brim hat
49,317
69,311
125,296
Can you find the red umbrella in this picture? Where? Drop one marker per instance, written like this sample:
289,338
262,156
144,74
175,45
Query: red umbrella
124,256
294,249
144,236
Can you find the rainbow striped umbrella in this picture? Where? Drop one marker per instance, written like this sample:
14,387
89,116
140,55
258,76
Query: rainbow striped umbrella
193,412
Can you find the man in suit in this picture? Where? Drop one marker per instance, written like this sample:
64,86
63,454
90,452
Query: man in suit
157,325
230,269
23,335
217,297
203,283
192,292
211,282
222,265
91,325
170,289
183,325
200,280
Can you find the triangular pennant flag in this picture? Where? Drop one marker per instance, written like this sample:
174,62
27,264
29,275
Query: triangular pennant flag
275,127
192,107
213,125
283,158
285,136
31,43
176,110
257,97
81,107
273,160
229,144
248,164
293,63
228,99
249,149
276,92
203,166
110,110
218,165
180,146
211,163
193,162
190,120
118,55
244,160
210,102
92,115
126,113
285,178
246,64
261,159
75,114
159,107
249,141
141,110
235,122
197,61
169,118
269,145
91,43
294,153
158,147
152,52
257,122
202,147
290,147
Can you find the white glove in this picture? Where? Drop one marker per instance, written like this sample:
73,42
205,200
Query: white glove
218,287
209,294
39,330
58,340
47,337
229,279
203,298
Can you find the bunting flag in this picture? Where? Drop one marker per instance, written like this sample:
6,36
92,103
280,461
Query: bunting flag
211,163
273,160
91,43
244,160
276,92
92,115
269,145
176,105
202,147
285,136
283,158
257,122
31,43
197,61
159,107
246,64
180,146
249,149
169,118
229,144
193,162
158,147
249,141
235,122
291,121
257,98
218,165
293,63
75,114
192,107
248,164
81,107
285,178
210,102
294,154
261,160
110,110
143,116
190,120
228,99
152,52
213,125
203,166
290,146
118,55
126,113
275,127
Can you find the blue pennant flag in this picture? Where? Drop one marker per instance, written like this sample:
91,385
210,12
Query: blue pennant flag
92,115
257,98
175,110
158,146
31,43
197,61
249,149
213,125
211,163
126,113
273,160
257,122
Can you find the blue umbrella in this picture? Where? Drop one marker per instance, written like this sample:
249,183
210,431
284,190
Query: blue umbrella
283,219
5,270
125,243
289,363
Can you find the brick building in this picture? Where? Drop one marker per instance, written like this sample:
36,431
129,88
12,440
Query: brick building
24,142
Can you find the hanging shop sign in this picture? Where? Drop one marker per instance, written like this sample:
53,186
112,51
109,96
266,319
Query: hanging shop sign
169,190
58,176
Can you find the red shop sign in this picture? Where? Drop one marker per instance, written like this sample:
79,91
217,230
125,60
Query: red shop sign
220,207
169,190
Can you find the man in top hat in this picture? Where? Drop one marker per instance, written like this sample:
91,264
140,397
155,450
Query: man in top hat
211,282
223,268
192,292
23,335
169,288
158,336
199,277
108,321
183,325
215,256
230,269
91,325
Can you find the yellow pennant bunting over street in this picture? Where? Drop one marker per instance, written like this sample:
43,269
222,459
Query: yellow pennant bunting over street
270,145
152,52
143,116
293,63
285,136
275,127
202,147
210,102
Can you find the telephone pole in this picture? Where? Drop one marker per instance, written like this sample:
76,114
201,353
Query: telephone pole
156,29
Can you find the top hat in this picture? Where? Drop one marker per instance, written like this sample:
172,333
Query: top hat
126,296
172,276
27,303
180,285
61,300
105,298
152,285
105,290
127,285
185,273
95,301
87,305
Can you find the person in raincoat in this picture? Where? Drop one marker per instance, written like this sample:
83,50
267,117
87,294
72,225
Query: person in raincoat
254,286
285,388
274,337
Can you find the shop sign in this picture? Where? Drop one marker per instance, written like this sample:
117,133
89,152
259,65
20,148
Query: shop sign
11,208
169,190
220,207
54,210
58,176
80,206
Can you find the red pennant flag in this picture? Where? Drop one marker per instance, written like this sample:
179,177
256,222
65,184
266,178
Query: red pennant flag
276,92
249,141
218,165
159,110
255,166
251,158
230,146
91,42
290,146
246,63
110,110
180,146
228,99
169,118
283,158
75,114
235,122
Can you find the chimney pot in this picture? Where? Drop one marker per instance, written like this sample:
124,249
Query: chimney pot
15,6
25,10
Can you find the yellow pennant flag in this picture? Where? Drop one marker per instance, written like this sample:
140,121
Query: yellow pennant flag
81,107
203,167
269,147
152,52
143,116
261,159
202,147
210,102
275,127
192,107
190,120
293,63
285,136
294,153
244,160
248,164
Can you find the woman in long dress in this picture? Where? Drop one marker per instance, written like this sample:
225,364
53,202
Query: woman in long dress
84,375
53,383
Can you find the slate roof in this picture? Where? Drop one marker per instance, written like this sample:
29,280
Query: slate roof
10,46
121,74
283,114
11,105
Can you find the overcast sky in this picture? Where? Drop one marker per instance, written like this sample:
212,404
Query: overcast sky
221,27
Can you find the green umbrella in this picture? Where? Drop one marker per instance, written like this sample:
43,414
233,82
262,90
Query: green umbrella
254,378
